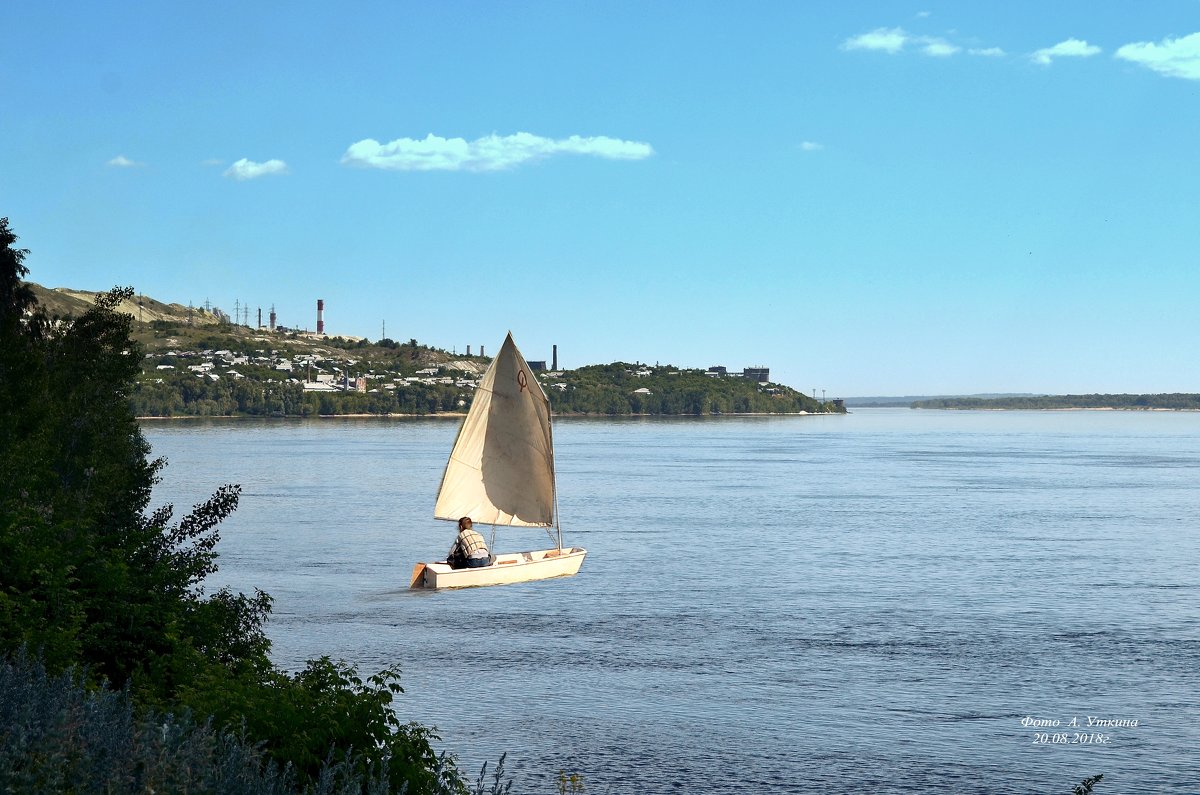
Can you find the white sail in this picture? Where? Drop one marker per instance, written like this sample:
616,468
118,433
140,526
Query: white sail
501,470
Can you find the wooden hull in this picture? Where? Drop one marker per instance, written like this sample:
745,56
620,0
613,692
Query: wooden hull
508,568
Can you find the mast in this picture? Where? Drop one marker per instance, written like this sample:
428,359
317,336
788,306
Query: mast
553,470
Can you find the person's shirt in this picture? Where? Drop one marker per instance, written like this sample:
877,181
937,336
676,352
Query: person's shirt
468,544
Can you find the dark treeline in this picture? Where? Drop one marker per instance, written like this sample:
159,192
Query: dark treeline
167,388
1175,400
96,585
264,394
611,389
615,389
601,389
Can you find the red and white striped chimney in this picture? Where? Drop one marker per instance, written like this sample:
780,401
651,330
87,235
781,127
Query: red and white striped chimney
320,315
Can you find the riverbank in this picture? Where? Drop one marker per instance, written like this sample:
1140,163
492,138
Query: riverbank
1065,408
460,415
1173,401
443,415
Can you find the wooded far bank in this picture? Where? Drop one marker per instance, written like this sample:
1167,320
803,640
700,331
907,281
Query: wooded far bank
194,363
1177,401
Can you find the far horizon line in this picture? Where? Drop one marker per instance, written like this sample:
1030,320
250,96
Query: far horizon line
990,395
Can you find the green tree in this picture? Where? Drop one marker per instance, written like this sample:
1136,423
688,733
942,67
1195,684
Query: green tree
90,578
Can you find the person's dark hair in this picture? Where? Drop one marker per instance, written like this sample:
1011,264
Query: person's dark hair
464,523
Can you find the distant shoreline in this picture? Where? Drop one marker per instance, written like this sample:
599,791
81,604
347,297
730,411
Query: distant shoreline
443,415
1064,408
460,415
1159,401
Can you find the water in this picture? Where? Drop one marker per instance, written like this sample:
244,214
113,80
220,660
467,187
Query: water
865,603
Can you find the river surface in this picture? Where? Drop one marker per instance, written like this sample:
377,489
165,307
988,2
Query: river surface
876,602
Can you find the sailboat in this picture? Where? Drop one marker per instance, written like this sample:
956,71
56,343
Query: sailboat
501,472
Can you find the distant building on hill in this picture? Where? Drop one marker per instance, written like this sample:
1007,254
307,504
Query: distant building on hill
537,365
759,374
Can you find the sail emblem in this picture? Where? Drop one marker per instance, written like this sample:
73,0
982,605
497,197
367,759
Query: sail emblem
522,380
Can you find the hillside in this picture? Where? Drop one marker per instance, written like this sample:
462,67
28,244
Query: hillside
198,363
64,302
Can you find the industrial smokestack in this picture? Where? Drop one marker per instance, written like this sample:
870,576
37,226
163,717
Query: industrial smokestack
320,315
468,350
555,359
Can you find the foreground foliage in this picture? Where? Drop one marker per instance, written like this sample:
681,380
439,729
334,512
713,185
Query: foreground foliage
57,735
92,581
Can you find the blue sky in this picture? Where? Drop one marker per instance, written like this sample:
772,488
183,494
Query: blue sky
868,198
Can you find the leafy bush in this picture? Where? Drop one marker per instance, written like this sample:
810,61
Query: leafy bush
57,735
94,582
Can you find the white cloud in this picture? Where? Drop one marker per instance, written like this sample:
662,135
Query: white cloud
121,161
1071,48
939,48
491,153
1173,57
923,14
889,40
248,169
988,52
811,146
893,40
212,161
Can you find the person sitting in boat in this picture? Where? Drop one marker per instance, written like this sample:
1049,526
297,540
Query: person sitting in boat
469,550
